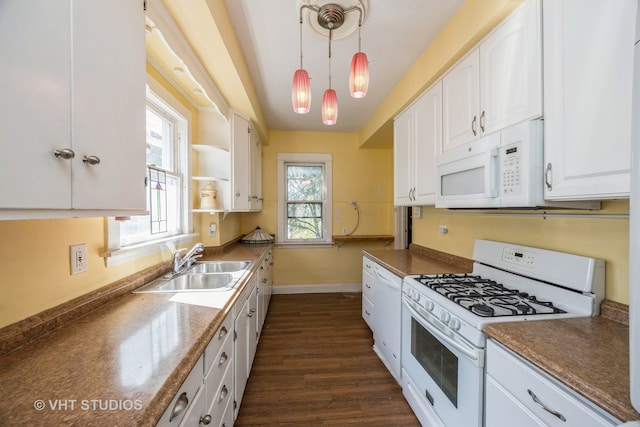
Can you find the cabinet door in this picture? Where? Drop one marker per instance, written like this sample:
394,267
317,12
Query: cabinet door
241,164
241,352
460,102
428,131
35,108
108,100
256,171
253,327
588,70
402,161
511,70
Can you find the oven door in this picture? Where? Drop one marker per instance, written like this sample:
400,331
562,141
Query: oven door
444,373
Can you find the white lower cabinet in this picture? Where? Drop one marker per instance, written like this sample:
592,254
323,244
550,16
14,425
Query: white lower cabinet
186,399
368,291
518,393
381,292
213,390
245,339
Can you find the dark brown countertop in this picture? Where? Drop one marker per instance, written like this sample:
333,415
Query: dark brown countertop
127,358
588,355
419,260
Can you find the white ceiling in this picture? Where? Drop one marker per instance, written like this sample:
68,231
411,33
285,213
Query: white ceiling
394,35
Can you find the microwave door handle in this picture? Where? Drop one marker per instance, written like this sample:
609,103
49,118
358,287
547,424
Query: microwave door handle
492,173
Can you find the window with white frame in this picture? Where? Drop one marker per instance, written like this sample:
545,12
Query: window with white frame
167,179
304,198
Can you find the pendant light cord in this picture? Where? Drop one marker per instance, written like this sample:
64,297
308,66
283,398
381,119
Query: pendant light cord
330,31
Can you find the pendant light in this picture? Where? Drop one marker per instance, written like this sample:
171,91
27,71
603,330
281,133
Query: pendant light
359,72
301,86
329,99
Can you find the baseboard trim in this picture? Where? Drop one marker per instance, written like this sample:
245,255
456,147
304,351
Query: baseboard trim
317,289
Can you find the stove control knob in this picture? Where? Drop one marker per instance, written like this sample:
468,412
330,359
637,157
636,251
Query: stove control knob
417,297
445,317
429,305
454,324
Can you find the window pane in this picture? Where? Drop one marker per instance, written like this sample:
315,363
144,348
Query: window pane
304,210
305,183
307,228
159,140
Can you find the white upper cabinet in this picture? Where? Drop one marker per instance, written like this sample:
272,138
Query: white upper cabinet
246,166
461,102
498,83
588,73
417,135
73,84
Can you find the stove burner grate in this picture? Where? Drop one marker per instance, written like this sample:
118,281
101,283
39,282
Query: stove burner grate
485,297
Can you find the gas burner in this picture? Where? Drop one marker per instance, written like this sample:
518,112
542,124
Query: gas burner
485,297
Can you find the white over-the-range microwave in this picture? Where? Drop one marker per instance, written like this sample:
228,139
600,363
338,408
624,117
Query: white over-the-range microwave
500,170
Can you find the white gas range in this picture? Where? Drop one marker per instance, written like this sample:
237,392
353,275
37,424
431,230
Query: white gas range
443,316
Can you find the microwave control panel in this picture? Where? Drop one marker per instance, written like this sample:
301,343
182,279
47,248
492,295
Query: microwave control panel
512,169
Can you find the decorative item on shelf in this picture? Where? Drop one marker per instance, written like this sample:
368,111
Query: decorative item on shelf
257,237
208,197
331,17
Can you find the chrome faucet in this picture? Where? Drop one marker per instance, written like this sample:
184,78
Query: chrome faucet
181,264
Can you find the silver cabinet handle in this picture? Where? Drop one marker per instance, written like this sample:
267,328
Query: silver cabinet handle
237,194
65,153
482,121
223,359
206,420
92,160
473,126
367,311
223,393
223,333
543,406
547,177
180,406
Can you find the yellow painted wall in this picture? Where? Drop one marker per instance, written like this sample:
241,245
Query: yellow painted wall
363,175
593,236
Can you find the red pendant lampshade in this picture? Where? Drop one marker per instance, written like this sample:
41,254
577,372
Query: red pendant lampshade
301,92
359,75
329,107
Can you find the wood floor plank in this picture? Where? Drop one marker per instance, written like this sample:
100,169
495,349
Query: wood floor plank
315,366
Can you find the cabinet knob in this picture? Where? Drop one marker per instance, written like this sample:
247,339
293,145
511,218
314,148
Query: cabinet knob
206,420
92,160
237,194
65,153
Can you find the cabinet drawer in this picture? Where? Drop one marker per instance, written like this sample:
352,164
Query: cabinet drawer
211,353
368,281
219,400
367,311
223,359
183,399
367,265
535,391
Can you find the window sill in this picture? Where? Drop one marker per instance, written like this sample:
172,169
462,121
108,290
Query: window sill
128,253
296,245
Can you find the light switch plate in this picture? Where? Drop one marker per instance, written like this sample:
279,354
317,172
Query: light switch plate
78,258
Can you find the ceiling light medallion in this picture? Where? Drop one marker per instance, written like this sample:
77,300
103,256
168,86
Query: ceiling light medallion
330,16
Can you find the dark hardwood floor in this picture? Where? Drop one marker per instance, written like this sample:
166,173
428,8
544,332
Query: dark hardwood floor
315,366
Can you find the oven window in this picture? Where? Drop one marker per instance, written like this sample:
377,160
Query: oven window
440,363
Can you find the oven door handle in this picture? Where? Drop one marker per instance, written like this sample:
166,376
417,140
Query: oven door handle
469,351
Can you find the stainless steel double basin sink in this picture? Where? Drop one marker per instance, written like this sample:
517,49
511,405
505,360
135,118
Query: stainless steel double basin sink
202,276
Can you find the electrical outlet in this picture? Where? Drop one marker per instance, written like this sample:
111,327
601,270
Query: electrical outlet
345,230
78,258
212,229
